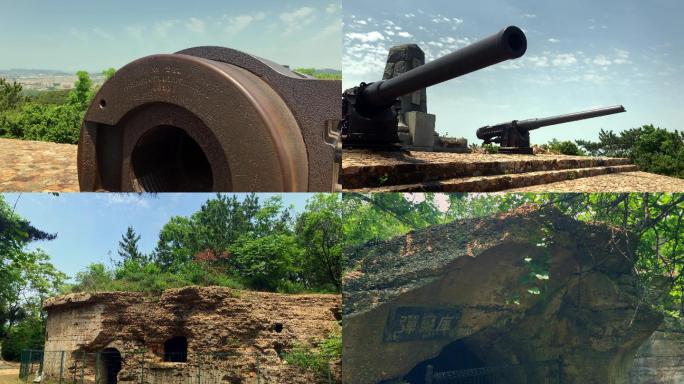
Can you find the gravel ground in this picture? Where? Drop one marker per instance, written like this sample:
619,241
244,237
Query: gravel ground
35,166
616,182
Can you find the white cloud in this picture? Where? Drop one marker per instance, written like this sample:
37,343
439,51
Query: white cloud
389,33
602,60
553,40
409,15
129,199
529,16
564,60
405,34
195,25
100,32
362,22
136,31
78,34
622,56
297,19
539,61
366,37
235,24
161,28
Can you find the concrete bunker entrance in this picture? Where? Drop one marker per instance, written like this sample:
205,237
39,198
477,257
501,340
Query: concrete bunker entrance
167,159
111,365
176,350
453,357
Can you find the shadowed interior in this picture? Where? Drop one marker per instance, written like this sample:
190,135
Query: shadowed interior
167,159
111,363
454,356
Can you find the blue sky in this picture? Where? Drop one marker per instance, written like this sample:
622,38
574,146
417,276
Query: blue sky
581,54
89,225
94,35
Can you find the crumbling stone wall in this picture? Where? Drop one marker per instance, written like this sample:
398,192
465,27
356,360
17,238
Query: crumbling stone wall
230,334
472,280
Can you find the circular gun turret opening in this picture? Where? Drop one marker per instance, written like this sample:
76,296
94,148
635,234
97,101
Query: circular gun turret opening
167,159
515,40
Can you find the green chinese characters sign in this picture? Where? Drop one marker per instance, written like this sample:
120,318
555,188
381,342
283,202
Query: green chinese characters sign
420,323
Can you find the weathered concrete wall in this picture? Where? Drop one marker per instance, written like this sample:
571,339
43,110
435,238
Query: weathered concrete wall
660,360
252,329
407,298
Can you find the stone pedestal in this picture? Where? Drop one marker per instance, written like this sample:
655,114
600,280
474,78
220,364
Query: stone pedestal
421,128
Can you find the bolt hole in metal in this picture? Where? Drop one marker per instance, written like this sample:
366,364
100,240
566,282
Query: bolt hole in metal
167,159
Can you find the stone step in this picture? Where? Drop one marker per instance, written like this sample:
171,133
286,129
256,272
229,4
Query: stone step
500,182
365,169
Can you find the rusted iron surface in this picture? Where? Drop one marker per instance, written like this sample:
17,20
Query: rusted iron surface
210,119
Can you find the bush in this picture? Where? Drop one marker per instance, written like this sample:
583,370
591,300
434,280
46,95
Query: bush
563,147
653,149
29,334
317,358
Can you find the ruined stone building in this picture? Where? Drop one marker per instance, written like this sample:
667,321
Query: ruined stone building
187,335
529,286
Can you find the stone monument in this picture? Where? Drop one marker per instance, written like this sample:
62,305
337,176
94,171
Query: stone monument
416,126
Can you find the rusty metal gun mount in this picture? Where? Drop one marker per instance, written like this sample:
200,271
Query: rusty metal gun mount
211,119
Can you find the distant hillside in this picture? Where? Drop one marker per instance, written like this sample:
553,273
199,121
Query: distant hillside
16,73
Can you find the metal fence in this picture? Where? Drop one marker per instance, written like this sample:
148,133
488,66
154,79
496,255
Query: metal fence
540,372
110,366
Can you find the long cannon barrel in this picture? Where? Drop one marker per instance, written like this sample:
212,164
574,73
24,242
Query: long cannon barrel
531,124
509,43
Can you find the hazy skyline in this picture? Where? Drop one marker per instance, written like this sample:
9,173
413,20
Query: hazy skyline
580,55
89,225
92,36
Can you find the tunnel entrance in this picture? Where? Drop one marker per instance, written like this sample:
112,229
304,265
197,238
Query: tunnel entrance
176,350
453,357
111,365
167,159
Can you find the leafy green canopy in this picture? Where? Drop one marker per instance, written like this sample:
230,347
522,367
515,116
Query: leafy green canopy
252,243
656,219
26,279
653,149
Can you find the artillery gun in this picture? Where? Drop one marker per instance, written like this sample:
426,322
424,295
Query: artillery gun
211,119
514,136
370,110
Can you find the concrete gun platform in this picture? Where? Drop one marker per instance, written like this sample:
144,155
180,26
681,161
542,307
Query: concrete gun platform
414,171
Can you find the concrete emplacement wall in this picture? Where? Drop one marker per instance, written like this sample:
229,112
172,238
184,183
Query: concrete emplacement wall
465,302
218,334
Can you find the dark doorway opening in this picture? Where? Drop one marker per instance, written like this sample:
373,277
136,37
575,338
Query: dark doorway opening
111,365
176,349
167,159
454,356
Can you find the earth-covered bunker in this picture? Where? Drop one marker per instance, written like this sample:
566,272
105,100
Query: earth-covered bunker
527,286
210,334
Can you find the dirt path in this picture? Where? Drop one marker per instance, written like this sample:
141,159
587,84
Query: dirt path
36,166
9,372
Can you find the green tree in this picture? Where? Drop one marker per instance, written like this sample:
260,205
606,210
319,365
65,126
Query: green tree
108,73
82,92
128,247
266,263
563,147
653,149
10,95
26,278
319,233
